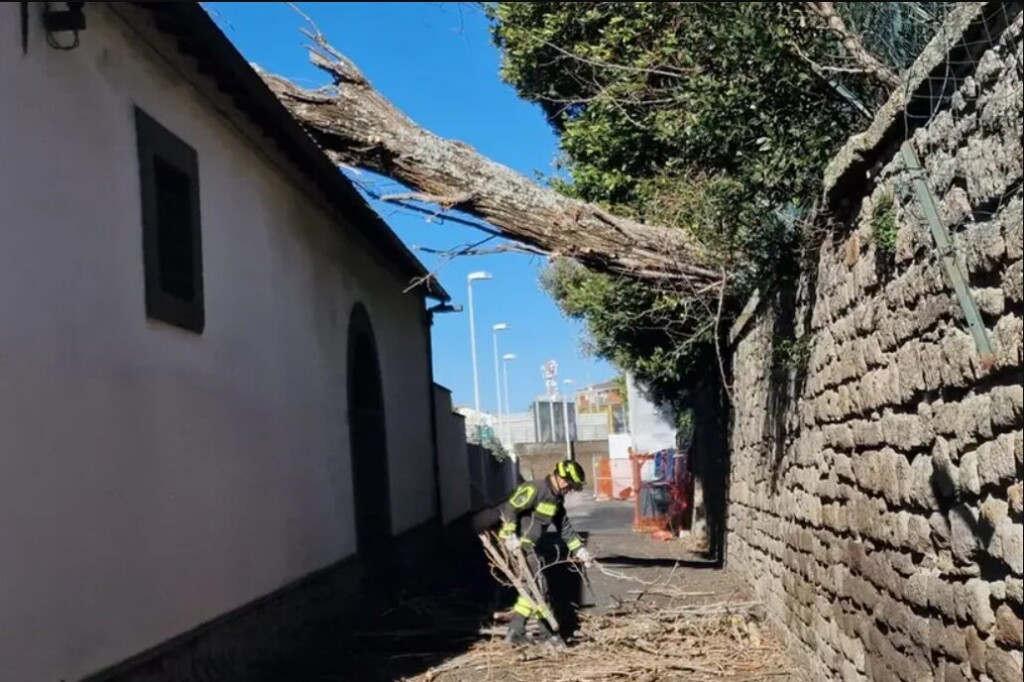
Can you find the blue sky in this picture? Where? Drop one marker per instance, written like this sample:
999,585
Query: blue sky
436,62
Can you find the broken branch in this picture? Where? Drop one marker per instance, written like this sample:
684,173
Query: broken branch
358,127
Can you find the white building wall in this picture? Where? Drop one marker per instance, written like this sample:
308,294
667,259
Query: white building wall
151,479
651,426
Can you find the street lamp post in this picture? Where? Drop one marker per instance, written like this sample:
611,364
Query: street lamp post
474,277
497,329
565,418
508,428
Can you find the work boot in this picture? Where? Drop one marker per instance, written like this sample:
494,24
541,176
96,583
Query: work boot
517,632
551,639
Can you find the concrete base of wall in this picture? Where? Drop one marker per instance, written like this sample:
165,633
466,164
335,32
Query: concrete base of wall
250,643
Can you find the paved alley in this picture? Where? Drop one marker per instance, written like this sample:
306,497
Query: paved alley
452,632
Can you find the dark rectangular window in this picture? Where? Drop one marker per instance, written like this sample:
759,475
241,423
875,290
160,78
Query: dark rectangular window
171,228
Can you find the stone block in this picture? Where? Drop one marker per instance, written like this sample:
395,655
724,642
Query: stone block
990,164
1015,591
920,484
839,437
933,309
935,368
901,563
1008,406
951,642
889,663
1007,545
941,532
983,247
867,434
1008,342
955,208
977,604
1013,283
977,651
919,536
915,589
1009,628
1016,497
957,366
945,419
955,672
991,302
974,419
994,513
907,432
997,465
911,372
1012,219
862,592
946,479
970,476
963,523
989,70
1004,666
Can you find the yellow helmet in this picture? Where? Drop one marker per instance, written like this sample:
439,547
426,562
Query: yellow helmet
572,473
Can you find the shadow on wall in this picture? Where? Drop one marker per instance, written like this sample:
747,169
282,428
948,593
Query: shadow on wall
490,480
710,461
792,309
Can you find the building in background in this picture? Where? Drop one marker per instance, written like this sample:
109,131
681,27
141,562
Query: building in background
606,399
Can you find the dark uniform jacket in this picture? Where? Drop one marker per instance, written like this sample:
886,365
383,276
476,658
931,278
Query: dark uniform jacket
533,507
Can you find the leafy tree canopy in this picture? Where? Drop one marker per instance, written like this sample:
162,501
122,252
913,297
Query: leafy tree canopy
716,118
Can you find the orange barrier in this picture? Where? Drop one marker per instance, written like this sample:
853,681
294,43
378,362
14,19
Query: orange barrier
603,479
660,506
644,522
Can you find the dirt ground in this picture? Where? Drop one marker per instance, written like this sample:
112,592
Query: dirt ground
650,611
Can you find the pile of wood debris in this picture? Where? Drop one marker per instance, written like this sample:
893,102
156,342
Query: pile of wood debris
644,640
658,635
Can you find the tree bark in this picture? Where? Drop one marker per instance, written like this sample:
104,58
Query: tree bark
828,13
359,127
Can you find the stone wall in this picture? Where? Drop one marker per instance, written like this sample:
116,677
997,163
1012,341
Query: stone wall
875,494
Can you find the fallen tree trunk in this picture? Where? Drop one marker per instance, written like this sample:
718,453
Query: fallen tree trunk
359,127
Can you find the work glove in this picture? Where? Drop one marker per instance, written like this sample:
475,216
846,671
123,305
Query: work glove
512,542
584,557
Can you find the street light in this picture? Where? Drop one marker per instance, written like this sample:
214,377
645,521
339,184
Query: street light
510,357
474,277
497,329
565,418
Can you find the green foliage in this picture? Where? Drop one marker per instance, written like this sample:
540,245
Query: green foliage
657,337
791,354
884,225
686,425
714,118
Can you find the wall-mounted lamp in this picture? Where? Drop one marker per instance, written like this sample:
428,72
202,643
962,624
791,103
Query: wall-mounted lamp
68,20
445,308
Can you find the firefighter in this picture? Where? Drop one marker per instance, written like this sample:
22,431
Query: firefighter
525,515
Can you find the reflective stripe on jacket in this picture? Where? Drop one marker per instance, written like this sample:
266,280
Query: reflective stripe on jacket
532,508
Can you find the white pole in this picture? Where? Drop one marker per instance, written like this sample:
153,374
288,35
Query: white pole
508,427
497,380
474,277
565,418
472,350
551,406
497,329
